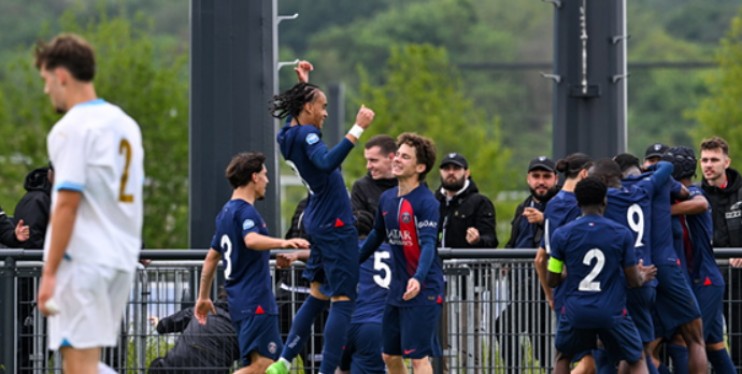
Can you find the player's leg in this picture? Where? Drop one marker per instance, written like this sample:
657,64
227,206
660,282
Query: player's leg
83,361
258,364
710,301
346,360
419,335
260,342
623,342
366,345
392,340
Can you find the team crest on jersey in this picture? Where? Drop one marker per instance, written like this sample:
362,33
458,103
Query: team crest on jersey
248,224
272,347
406,217
312,138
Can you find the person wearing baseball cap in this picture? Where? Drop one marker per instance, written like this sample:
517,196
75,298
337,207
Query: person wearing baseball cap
653,154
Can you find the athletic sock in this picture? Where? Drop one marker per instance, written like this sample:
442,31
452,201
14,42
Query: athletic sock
650,366
720,361
679,356
662,369
335,334
301,326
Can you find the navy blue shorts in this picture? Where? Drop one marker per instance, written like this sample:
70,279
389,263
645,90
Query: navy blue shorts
333,261
621,341
362,353
676,304
640,303
709,299
412,331
258,333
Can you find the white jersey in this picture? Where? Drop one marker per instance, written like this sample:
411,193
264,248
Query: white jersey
96,149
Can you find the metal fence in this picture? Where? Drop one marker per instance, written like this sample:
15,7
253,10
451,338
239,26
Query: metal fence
495,319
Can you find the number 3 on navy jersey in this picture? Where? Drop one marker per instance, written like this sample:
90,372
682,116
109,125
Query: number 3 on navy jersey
587,284
380,265
227,248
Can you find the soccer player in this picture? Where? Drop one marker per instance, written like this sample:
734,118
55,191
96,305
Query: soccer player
241,239
600,261
332,268
407,219
94,238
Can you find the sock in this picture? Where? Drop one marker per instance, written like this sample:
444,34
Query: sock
301,326
650,366
720,361
679,355
335,334
662,369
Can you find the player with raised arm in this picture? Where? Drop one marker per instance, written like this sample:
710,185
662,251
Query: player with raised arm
241,240
407,219
94,238
598,255
332,268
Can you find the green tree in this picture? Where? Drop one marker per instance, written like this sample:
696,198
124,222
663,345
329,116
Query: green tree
720,113
147,82
422,93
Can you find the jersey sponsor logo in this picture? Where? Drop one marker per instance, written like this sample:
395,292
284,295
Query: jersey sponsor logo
248,224
312,138
427,223
272,347
399,237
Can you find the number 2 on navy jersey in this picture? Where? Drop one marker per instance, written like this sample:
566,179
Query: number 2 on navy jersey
227,248
382,266
635,218
587,284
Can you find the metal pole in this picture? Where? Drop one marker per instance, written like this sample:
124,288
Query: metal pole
7,305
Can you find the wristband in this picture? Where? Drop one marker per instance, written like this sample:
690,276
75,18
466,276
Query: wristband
356,131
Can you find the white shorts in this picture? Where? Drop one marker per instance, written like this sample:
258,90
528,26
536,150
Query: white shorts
92,300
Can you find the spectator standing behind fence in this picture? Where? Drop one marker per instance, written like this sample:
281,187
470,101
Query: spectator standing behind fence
524,315
407,219
598,254
364,197
35,206
207,348
94,238
722,186
328,218
241,240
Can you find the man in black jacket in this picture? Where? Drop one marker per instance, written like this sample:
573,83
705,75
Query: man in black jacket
35,206
364,197
467,217
722,186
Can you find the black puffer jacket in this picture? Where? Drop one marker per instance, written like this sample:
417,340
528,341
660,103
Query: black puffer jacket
364,198
726,210
35,206
467,209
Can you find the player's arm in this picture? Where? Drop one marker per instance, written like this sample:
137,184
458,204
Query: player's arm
284,260
697,204
302,70
204,306
555,267
662,172
62,223
259,242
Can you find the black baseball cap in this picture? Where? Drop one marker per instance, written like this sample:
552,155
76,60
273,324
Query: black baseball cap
655,150
455,159
542,162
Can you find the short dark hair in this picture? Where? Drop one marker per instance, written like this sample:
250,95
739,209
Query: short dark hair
291,102
573,164
715,142
607,171
627,160
69,51
384,142
424,150
242,166
590,191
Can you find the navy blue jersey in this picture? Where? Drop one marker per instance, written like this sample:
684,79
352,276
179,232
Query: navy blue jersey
374,279
329,204
595,250
409,223
702,263
247,272
560,210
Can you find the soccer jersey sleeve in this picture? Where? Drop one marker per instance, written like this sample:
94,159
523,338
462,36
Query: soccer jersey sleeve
427,229
322,158
68,152
249,220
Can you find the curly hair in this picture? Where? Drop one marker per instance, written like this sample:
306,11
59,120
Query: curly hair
291,102
424,150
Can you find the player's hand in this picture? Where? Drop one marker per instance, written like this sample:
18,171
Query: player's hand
647,273
736,262
302,70
413,288
533,215
364,117
296,243
46,292
153,320
284,260
22,232
472,235
202,309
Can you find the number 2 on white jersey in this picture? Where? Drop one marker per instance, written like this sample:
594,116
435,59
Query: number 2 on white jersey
125,149
227,247
587,284
380,265
635,218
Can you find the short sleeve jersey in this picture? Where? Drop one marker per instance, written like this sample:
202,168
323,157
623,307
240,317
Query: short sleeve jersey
702,264
374,280
595,250
405,221
96,150
246,271
301,146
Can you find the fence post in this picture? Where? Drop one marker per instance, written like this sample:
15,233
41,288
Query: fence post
7,326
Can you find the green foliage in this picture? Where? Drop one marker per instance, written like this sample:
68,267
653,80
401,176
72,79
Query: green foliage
423,94
720,113
147,82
